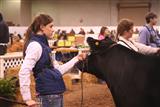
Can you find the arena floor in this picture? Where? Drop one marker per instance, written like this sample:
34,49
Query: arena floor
95,95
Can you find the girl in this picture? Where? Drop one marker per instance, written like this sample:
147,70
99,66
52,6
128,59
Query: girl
37,58
103,33
124,34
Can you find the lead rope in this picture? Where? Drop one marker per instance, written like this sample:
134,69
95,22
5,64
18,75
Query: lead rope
82,90
12,101
81,105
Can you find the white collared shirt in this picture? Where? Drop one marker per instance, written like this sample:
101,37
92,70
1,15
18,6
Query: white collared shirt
127,44
33,54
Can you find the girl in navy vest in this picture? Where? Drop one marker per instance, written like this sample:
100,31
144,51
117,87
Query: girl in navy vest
48,73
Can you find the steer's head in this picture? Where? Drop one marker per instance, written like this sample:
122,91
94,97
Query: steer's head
99,45
91,63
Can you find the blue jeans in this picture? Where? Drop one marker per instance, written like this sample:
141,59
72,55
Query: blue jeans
50,100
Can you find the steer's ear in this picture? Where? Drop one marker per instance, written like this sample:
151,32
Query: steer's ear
93,43
89,40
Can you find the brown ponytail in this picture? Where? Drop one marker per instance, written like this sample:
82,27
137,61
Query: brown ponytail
41,19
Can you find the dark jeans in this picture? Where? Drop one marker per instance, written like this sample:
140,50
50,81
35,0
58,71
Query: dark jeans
3,49
50,100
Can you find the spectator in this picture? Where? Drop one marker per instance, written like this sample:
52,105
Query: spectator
82,32
63,35
103,33
113,35
4,36
58,32
148,35
136,31
91,31
72,33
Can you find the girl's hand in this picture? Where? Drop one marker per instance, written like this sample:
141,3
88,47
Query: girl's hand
82,56
32,103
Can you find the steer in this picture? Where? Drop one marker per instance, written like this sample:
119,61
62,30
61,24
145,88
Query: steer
133,78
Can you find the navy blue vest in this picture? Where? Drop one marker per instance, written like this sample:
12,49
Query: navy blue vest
48,79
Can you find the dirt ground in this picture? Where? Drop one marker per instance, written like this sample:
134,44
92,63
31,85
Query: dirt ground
94,95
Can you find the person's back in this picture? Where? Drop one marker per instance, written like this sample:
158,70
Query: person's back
4,35
147,34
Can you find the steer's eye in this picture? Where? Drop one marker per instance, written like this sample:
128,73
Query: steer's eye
96,43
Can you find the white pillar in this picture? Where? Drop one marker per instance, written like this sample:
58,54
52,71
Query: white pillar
2,68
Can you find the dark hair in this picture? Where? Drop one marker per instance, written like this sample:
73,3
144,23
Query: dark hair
39,20
103,30
1,17
124,25
149,16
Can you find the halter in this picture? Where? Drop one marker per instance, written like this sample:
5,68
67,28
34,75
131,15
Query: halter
97,52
